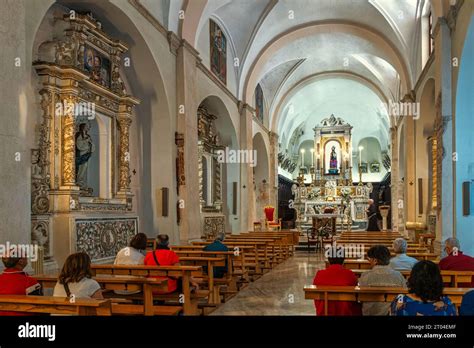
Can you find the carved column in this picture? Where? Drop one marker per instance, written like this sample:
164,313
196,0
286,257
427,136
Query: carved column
68,143
124,155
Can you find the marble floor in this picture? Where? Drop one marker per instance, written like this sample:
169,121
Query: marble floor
278,292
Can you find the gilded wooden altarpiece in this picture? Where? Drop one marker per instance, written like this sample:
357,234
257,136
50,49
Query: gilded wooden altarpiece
79,67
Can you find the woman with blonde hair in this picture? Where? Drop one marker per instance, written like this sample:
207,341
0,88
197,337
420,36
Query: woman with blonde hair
76,280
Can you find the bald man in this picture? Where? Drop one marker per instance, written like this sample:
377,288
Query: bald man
372,216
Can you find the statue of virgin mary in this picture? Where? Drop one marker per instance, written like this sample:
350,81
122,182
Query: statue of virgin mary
84,149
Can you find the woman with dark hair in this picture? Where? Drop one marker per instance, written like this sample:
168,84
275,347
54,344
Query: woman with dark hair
425,294
76,280
134,254
381,274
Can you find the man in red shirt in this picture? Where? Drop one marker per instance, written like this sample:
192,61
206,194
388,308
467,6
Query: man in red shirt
163,256
336,275
14,281
456,260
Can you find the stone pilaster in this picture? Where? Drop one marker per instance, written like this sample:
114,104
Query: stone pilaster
443,89
187,105
273,170
410,166
247,194
394,178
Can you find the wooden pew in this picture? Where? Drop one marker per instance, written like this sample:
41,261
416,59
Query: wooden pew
230,279
54,305
110,283
453,278
241,265
361,264
368,294
210,262
189,302
252,255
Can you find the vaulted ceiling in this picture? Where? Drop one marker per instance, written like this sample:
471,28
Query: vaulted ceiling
316,55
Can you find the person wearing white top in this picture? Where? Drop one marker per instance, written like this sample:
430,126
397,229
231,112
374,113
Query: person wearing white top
132,255
75,279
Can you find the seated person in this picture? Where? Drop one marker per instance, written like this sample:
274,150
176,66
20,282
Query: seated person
336,275
76,280
401,262
381,274
456,260
218,245
467,304
164,256
425,294
134,254
15,281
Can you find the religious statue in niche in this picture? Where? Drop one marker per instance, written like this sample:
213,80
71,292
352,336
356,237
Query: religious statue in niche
84,149
97,65
333,162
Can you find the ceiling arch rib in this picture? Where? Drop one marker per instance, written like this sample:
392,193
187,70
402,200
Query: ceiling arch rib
294,89
350,99
390,53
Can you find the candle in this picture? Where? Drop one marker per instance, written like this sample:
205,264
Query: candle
302,157
312,158
360,155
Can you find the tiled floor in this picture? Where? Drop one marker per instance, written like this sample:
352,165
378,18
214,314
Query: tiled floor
279,292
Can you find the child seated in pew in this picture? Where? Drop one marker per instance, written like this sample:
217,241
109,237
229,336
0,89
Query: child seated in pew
134,254
15,281
76,280
381,275
425,294
164,256
336,275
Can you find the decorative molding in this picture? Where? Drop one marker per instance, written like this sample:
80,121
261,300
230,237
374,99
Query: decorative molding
216,81
424,72
148,16
212,225
104,237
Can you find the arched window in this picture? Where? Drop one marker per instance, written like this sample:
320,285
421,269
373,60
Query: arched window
259,104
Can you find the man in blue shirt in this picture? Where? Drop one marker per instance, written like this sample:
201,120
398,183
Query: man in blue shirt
218,245
401,262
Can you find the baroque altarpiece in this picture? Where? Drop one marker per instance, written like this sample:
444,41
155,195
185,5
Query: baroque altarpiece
81,197
330,194
210,175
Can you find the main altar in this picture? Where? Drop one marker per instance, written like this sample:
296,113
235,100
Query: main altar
325,197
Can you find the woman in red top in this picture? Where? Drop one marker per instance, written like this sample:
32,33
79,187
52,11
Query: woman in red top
163,256
336,275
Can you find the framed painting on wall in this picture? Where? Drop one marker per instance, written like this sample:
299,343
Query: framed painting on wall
97,65
375,167
218,44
